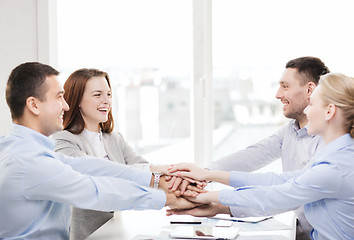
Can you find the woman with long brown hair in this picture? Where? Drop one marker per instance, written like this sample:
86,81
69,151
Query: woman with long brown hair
88,130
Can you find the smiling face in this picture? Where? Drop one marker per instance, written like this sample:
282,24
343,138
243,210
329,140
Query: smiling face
293,95
316,113
52,107
96,103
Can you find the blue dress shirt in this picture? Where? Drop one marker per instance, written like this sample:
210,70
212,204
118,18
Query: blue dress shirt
291,143
38,185
326,189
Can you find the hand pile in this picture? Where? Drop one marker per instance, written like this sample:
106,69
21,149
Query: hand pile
184,185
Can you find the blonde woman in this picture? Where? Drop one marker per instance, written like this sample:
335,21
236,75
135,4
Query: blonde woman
325,189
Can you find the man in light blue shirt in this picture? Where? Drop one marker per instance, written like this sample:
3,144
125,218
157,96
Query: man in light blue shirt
38,185
325,188
291,143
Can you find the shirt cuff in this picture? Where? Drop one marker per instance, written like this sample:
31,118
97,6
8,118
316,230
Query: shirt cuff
158,199
226,198
145,178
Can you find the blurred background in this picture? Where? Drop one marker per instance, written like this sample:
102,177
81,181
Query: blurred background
147,49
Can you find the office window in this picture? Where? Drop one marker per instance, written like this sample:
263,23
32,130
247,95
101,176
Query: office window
145,46
252,41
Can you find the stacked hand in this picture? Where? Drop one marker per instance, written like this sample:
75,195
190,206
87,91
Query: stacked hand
180,186
187,182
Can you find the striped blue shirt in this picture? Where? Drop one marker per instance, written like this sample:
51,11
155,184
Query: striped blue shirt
326,189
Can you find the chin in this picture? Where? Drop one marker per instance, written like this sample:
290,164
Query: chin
310,131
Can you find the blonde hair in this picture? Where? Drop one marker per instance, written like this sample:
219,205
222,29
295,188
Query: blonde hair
338,89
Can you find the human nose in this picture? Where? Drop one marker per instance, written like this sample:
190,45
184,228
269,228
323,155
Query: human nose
107,99
65,105
279,93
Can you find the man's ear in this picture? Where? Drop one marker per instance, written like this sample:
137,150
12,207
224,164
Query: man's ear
32,105
331,110
310,88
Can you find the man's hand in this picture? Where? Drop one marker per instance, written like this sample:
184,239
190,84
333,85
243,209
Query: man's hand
206,210
178,202
179,184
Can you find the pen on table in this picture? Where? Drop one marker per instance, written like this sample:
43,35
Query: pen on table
181,222
245,221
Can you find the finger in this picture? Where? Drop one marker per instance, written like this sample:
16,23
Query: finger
190,193
201,184
185,175
184,186
179,167
176,184
170,212
171,182
180,212
195,189
168,178
177,193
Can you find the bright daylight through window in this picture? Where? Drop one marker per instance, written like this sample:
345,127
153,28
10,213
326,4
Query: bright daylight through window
146,47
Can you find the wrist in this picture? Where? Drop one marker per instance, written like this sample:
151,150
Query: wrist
223,209
156,176
169,199
208,175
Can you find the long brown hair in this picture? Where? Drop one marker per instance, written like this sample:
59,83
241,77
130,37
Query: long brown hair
74,89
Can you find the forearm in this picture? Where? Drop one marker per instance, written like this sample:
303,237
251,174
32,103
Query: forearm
60,183
218,176
240,179
97,167
246,212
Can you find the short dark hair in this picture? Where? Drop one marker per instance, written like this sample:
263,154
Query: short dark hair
74,90
27,80
310,68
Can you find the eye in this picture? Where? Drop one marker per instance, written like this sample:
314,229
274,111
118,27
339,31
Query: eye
97,95
109,94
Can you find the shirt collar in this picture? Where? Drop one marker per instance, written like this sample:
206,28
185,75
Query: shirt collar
336,145
300,131
32,135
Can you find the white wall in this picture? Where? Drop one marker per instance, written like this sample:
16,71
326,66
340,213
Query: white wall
25,29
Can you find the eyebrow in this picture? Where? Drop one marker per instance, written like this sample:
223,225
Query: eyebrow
100,91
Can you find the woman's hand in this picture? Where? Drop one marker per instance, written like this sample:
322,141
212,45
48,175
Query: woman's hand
190,172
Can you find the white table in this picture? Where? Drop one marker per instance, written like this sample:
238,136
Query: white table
154,224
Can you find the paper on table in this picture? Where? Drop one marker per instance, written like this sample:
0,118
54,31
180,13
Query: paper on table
246,219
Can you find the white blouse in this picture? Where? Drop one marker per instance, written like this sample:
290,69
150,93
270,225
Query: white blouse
95,138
